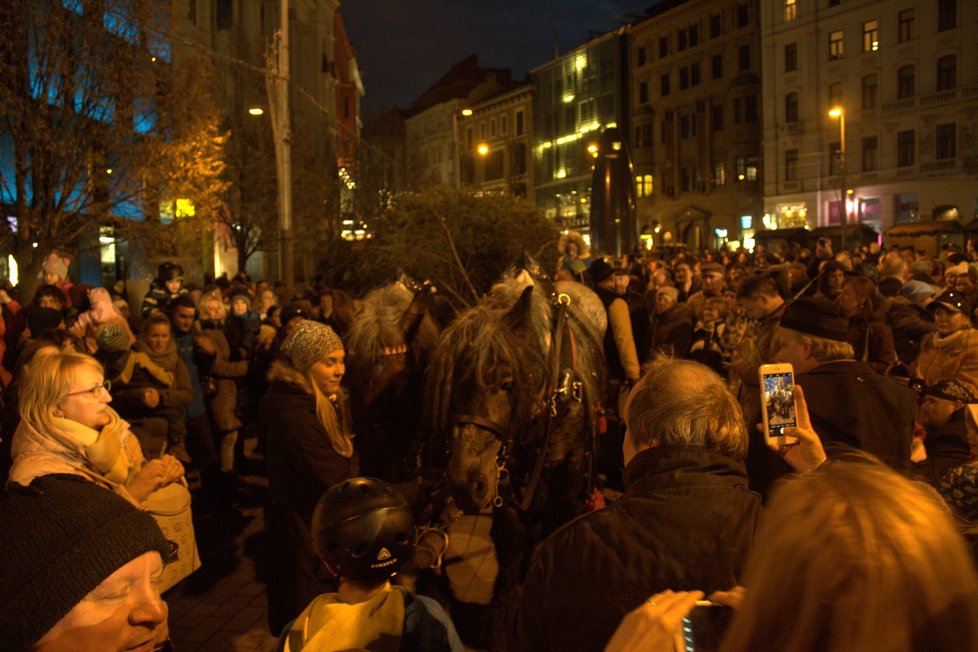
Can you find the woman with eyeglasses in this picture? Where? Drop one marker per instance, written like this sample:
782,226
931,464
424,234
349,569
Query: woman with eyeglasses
67,426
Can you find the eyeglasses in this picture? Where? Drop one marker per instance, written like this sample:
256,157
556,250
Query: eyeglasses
94,392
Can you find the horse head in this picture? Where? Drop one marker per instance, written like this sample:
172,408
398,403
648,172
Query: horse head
483,383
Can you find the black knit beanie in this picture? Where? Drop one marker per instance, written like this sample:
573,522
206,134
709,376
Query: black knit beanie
60,538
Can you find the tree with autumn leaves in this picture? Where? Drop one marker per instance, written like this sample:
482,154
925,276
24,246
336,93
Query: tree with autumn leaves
101,127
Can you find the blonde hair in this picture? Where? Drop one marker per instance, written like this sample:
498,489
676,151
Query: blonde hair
214,296
339,437
855,557
46,380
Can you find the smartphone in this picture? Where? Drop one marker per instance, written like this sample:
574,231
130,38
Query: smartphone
703,629
778,402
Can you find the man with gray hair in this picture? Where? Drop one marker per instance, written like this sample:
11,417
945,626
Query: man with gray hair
849,403
685,522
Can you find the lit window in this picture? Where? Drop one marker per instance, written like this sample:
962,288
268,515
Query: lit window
871,36
719,174
836,47
790,10
643,185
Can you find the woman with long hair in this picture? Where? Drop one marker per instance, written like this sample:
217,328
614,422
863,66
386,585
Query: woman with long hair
305,418
869,335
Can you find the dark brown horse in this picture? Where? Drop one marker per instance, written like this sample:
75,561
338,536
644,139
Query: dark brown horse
512,399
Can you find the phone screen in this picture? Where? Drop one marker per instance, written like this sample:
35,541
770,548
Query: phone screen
704,627
779,401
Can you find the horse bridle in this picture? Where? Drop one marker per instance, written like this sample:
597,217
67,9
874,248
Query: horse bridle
562,386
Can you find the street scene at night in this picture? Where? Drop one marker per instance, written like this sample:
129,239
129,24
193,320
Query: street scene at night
455,325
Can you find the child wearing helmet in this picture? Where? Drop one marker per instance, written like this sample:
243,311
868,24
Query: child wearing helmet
363,531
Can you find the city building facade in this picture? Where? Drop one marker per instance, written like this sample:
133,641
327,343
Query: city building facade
696,121
576,97
870,112
496,143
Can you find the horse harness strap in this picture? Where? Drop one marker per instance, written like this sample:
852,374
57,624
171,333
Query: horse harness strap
559,385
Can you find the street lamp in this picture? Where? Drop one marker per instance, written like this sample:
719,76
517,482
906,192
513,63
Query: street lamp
256,111
483,149
839,113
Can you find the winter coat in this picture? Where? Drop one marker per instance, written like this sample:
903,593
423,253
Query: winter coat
302,464
164,372
671,331
109,461
872,342
947,448
158,298
224,372
954,357
686,521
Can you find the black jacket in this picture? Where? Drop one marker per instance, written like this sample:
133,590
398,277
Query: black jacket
686,521
302,465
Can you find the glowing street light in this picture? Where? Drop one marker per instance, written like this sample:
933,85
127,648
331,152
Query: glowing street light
256,110
839,113
466,112
483,149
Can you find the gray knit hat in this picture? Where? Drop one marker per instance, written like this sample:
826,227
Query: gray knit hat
60,538
309,343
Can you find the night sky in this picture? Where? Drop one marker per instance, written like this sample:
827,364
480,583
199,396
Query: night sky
404,46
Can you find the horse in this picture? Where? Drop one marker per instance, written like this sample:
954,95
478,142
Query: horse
388,347
512,400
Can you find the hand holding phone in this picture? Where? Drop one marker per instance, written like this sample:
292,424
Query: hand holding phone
808,454
778,409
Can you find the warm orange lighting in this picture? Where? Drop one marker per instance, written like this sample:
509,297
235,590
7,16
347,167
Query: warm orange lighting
836,112
466,112
483,149
592,149
256,110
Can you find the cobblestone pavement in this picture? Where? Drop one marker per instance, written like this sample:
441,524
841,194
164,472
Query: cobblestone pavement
223,606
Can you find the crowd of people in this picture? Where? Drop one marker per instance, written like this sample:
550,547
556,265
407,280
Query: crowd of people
871,512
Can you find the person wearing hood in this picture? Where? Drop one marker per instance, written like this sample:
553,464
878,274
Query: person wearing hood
152,386
575,256
305,417
166,287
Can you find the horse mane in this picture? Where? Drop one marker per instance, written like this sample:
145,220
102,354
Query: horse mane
375,329
472,349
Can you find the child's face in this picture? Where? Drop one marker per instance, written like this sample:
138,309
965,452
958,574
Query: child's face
710,313
173,285
50,278
239,307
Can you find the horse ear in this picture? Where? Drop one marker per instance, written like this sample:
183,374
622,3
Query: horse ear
520,312
411,319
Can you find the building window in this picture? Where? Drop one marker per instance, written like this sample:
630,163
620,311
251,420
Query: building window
686,177
907,208
790,10
640,56
687,125
694,35
836,46
791,107
683,78
746,168
905,28
663,46
791,165
519,158
947,72
643,185
871,36
738,110
643,136
719,174
791,57
743,16
906,82
717,118
835,94
946,146
694,74
870,91
906,148
492,128
750,108
519,123
192,11
871,153
681,41
643,92
947,14
714,25
224,16
743,57
717,65
834,3
665,84
502,125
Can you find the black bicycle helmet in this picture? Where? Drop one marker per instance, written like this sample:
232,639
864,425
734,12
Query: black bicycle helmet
363,529
169,271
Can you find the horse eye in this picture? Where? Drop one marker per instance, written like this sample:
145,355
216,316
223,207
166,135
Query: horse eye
506,385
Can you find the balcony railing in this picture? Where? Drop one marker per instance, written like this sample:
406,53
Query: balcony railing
900,105
939,98
939,166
